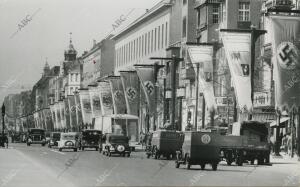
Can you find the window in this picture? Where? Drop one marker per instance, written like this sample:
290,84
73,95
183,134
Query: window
139,46
152,38
184,2
184,27
223,12
76,78
146,44
166,34
162,35
198,17
158,38
244,11
71,90
155,38
142,45
149,40
215,13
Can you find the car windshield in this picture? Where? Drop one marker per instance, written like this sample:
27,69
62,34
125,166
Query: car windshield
91,133
68,137
118,139
56,135
37,131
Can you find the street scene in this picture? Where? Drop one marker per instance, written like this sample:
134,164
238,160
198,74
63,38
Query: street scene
150,93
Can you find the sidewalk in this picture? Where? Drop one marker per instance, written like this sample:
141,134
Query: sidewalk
286,157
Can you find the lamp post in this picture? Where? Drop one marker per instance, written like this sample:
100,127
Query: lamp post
3,114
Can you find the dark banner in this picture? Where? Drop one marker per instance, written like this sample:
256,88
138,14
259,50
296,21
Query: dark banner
130,82
118,95
105,98
146,76
286,48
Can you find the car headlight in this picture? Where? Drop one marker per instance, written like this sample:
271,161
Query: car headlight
29,140
112,148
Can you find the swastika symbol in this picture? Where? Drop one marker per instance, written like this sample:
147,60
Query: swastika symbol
131,93
287,55
149,87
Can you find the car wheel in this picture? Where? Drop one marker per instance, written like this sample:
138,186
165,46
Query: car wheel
43,144
97,148
177,164
168,157
109,153
82,148
75,149
214,166
128,154
148,155
60,149
202,166
28,144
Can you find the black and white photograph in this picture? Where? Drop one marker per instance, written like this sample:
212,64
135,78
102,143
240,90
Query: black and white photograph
149,93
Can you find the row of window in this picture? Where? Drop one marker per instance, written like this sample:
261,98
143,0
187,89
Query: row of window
74,77
143,45
219,13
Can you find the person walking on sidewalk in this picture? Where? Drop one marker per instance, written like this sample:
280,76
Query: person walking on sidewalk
289,144
284,144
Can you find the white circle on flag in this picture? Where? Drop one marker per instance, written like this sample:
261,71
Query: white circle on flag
205,139
287,55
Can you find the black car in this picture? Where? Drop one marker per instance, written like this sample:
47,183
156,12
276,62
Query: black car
36,136
54,138
90,139
3,140
116,144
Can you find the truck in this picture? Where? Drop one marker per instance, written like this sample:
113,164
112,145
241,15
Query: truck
249,141
120,124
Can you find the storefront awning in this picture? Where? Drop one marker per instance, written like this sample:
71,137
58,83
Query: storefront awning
282,120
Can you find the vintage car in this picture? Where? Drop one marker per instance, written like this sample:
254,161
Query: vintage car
3,140
199,148
54,139
69,140
116,144
36,136
164,143
90,139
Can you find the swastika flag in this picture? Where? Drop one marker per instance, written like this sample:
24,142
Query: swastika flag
286,60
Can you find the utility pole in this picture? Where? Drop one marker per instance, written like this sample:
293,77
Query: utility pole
3,114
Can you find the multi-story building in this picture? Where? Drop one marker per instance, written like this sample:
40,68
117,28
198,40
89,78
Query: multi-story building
97,62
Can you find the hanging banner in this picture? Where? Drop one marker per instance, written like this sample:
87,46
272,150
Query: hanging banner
237,47
57,113
118,97
85,103
62,114
105,98
286,60
72,107
146,76
78,110
95,101
52,110
203,55
67,113
130,83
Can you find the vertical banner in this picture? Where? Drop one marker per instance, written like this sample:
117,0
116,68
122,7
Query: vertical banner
79,121
67,113
73,116
62,114
237,47
85,103
52,110
146,76
203,55
130,83
286,50
95,101
57,113
105,98
118,97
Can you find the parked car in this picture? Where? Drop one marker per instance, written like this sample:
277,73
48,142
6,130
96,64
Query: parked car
69,140
36,136
54,139
90,139
116,144
199,148
3,140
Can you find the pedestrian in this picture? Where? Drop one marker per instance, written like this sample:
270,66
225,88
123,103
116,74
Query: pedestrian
284,145
289,144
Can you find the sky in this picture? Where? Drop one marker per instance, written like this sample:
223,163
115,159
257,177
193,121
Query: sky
32,31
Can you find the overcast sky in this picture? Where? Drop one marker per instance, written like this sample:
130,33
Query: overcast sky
24,49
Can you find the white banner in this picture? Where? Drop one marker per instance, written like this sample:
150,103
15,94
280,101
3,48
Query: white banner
203,55
85,106
237,47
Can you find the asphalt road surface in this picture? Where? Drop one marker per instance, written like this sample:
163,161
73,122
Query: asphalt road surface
40,166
